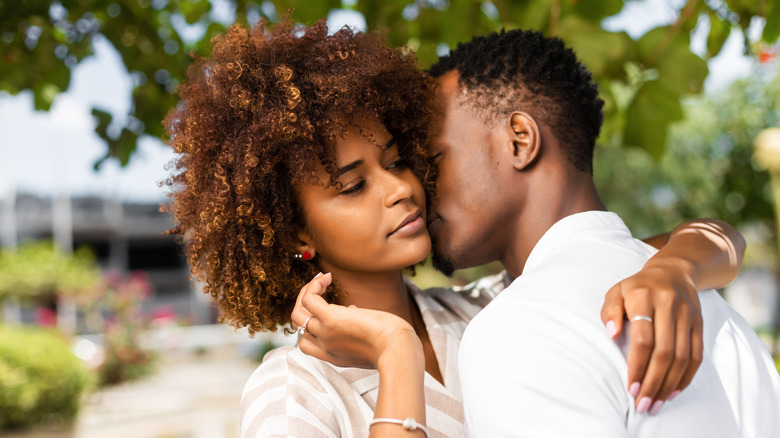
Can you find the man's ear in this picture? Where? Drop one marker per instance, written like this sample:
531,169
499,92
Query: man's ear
525,139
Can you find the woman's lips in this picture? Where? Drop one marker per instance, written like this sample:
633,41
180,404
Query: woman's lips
410,226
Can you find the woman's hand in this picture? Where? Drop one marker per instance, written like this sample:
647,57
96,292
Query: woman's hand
665,354
349,336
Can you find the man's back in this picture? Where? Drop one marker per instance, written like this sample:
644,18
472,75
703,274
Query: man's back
538,362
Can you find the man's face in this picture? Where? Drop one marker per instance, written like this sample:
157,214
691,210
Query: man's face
466,221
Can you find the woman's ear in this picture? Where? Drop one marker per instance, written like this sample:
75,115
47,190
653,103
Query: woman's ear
305,249
524,139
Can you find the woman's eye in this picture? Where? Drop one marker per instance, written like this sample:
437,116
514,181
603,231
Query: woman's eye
353,189
435,157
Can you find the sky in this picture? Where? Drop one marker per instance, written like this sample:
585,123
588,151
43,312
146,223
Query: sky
52,153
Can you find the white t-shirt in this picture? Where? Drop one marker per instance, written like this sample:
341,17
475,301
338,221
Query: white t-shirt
537,360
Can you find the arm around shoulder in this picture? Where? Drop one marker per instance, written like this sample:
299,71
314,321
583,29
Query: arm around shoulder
709,249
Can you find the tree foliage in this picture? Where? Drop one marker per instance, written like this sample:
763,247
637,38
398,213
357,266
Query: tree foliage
708,169
642,80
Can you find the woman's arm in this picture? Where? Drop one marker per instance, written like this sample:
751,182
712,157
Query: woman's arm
665,354
711,249
349,336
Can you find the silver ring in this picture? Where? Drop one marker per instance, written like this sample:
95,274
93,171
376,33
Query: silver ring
639,318
302,328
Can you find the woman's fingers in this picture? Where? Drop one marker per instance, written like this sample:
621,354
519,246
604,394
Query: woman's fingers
696,354
664,329
613,310
639,353
317,306
320,283
680,360
316,285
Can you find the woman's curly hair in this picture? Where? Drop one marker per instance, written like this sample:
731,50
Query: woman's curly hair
253,121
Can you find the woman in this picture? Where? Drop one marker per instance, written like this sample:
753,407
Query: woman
304,153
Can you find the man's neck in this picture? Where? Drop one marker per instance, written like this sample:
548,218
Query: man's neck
550,201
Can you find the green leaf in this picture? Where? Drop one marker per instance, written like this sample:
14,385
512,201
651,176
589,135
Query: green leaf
719,33
595,11
648,117
530,15
772,27
44,95
649,43
104,120
307,11
594,46
124,146
682,71
193,11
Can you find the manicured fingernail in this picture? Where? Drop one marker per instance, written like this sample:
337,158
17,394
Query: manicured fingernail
673,395
634,389
611,329
656,407
318,275
643,405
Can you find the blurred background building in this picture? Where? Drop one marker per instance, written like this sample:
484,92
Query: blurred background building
124,237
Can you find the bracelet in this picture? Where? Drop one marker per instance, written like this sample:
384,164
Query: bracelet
408,424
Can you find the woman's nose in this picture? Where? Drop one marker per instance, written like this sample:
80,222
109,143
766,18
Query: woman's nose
397,189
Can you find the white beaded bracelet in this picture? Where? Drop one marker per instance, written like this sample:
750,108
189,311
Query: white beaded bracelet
408,424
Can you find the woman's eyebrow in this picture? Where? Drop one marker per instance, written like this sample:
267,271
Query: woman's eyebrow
351,166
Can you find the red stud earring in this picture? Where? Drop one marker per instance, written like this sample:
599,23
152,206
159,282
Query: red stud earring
307,255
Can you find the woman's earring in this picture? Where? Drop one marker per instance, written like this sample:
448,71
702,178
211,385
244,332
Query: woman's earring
306,255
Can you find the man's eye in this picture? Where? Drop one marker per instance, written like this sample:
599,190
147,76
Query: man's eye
398,164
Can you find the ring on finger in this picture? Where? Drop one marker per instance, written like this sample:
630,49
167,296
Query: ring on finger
637,318
302,328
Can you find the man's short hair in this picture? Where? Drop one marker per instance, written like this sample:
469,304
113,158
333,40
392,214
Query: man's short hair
526,71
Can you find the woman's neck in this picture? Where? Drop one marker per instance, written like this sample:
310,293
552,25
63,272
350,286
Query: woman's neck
387,292
384,291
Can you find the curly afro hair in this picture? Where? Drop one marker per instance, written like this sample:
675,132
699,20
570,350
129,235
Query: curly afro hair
525,70
255,119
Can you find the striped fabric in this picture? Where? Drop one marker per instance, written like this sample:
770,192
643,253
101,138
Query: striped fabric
292,394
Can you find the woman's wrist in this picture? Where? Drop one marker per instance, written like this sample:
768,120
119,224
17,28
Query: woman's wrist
673,263
402,352
401,395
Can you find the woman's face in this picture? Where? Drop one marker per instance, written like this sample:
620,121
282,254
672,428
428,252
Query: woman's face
376,221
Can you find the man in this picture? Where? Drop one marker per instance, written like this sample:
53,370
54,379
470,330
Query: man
515,182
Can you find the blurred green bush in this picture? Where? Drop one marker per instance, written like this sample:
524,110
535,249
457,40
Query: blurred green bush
41,381
38,269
